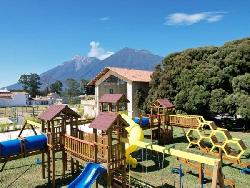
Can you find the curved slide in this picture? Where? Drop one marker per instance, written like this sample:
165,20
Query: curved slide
88,176
135,133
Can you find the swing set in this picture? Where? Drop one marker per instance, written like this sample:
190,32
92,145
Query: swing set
186,158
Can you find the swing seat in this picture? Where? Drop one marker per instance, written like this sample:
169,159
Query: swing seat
176,171
245,171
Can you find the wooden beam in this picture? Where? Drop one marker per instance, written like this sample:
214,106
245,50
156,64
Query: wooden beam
217,176
174,152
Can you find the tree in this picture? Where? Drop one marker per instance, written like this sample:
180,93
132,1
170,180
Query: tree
197,101
206,80
72,88
241,83
217,102
24,81
243,109
139,98
31,83
83,84
56,87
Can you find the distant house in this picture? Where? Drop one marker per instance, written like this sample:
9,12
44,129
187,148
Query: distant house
113,80
39,100
51,98
8,98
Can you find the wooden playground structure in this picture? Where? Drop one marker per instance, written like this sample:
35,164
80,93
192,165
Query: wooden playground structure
106,145
202,133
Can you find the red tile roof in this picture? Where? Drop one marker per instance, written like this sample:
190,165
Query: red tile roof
128,74
40,99
166,103
113,98
54,110
104,120
5,95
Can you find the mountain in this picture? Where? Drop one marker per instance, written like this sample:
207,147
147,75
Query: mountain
81,67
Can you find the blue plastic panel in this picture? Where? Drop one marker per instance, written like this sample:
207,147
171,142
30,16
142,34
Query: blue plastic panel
10,147
37,142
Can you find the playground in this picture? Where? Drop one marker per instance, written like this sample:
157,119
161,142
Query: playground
20,173
160,149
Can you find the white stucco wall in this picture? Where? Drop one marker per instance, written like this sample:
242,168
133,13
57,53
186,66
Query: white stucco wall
130,98
18,99
97,98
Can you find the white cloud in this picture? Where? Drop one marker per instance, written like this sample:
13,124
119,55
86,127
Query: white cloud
189,19
103,19
97,51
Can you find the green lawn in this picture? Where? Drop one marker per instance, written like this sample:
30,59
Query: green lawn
25,173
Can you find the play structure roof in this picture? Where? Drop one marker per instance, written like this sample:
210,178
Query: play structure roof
113,98
129,74
54,110
165,103
104,121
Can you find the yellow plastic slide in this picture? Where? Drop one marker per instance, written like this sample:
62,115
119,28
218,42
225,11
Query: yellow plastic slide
135,133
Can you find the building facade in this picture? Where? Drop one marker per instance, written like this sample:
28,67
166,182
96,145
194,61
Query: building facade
113,80
8,98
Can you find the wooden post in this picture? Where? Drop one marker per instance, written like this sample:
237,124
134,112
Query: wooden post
122,155
72,165
116,107
53,154
48,165
108,107
64,163
217,175
96,150
220,155
200,173
101,107
109,175
64,156
43,165
53,168
77,166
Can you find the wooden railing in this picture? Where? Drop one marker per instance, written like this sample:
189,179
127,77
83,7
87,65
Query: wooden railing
85,149
185,121
81,148
117,157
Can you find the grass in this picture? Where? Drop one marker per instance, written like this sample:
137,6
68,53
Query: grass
21,111
25,173
157,176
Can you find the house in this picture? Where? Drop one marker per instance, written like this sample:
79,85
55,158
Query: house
51,98
39,100
8,98
113,80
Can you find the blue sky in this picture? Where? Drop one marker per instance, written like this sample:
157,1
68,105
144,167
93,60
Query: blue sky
38,35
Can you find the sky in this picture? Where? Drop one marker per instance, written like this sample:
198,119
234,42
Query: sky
38,35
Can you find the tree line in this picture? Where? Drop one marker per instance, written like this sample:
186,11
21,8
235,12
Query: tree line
206,81
31,83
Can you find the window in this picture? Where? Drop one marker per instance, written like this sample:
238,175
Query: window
112,80
111,91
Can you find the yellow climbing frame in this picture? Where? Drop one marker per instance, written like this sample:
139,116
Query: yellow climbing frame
175,152
202,131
